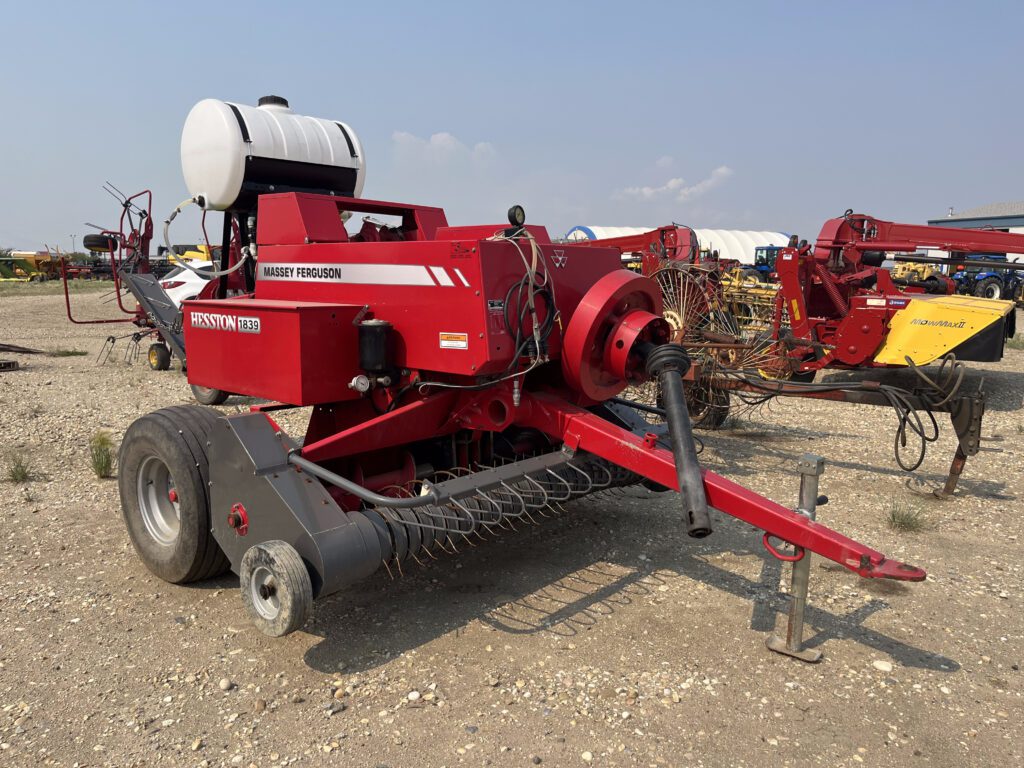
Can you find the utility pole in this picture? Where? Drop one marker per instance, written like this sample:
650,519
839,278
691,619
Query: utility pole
73,237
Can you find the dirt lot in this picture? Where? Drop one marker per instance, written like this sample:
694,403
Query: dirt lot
604,636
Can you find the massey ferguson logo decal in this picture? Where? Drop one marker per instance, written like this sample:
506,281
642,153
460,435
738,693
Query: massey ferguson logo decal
214,321
559,258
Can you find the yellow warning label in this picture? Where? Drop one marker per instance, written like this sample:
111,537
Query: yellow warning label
454,340
794,313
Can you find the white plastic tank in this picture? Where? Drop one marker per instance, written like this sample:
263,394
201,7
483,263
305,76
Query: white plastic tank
232,152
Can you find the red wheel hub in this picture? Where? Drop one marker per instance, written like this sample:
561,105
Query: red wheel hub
618,310
238,519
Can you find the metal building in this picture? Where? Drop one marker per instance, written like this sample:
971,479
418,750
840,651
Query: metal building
1007,217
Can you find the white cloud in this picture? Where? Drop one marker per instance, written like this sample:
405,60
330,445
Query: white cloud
718,176
677,187
441,149
475,184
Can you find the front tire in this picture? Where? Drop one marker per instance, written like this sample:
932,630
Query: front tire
209,395
276,589
159,357
163,482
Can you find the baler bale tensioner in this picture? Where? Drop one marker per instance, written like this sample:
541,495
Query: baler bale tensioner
461,379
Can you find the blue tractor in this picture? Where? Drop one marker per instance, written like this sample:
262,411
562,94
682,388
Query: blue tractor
763,268
990,283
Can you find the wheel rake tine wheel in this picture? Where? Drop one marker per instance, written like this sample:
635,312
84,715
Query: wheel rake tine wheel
563,481
524,498
495,507
498,506
445,527
535,506
545,496
483,524
608,473
522,503
446,543
472,524
591,485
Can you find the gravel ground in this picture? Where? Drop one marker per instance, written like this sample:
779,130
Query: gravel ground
604,636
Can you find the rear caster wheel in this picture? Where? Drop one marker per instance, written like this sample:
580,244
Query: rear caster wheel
208,395
276,590
159,357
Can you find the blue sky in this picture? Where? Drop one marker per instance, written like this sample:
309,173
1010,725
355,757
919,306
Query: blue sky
726,114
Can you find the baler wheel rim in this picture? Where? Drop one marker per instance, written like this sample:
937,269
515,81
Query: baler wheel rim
267,604
158,505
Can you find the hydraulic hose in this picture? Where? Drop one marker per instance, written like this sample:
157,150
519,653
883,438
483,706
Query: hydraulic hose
430,497
668,362
206,274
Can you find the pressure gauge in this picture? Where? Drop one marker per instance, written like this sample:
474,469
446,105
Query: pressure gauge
516,216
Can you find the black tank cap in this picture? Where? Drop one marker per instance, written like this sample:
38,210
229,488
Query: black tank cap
277,101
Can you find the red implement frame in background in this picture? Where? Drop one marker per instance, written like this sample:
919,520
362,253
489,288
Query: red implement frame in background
134,243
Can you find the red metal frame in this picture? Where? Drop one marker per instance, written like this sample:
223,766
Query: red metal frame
653,248
856,233
134,243
836,300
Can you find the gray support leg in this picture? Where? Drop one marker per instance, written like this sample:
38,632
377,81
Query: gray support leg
811,467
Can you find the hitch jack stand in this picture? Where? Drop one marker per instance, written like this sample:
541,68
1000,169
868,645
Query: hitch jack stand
810,467
955,470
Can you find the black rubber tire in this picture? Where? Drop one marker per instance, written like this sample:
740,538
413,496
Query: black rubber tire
177,437
99,243
712,415
291,584
803,377
990,285
209,396
159,357
755,274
